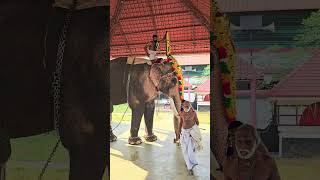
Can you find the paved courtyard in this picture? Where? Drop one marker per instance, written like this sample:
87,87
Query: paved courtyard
160,160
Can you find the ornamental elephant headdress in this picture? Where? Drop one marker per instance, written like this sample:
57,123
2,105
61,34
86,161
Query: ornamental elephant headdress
163,77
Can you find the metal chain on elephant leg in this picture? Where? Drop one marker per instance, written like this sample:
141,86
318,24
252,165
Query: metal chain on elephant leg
58,74
56,83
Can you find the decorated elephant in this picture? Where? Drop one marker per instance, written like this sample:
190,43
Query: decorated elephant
139,86
30,33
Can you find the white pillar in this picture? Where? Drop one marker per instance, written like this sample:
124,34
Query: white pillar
253,101
280,145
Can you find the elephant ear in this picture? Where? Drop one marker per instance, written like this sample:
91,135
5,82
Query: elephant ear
156,72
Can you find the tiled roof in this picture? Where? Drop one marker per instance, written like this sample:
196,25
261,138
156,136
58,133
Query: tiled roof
133,22
204,87
304,81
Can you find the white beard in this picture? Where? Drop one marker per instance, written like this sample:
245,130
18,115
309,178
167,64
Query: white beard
249,153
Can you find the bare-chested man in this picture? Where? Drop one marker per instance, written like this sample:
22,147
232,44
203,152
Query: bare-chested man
190,141
153,48
249,163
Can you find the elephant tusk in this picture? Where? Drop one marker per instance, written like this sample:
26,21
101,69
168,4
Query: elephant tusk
173,107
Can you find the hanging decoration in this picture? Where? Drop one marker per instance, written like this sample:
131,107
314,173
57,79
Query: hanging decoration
175,65
220,38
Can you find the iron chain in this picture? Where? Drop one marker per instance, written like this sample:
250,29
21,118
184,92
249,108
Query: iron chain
56,83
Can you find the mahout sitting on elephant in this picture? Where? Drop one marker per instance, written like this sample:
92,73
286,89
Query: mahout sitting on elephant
152,48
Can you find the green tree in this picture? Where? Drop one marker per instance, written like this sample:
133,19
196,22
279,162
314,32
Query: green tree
206,71
309,33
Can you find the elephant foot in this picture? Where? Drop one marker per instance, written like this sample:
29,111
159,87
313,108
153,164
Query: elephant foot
112,137
151,138
134,141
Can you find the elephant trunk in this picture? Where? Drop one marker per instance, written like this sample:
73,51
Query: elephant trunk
175,103
219,124
174,107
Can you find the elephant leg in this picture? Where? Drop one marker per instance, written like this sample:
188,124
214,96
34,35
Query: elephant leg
148,119
84,127
112,136
137,113
5,152
85,138
86,162
176,124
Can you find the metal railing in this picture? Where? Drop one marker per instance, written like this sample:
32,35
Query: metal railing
296,115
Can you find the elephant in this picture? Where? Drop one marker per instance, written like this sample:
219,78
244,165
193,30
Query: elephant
219,125
139,86
29,36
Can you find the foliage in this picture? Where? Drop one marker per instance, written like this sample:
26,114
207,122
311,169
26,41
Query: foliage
309,34
206,71
265,86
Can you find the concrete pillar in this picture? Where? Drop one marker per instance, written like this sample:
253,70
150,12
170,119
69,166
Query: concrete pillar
280,145
253,99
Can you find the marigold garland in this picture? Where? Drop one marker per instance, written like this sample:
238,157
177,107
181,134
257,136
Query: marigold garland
175,65
220,38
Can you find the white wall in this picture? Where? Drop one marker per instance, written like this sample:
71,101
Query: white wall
263,109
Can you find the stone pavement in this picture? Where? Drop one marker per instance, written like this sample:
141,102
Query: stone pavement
160,160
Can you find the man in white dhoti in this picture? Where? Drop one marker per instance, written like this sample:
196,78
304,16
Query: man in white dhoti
152,48
190,135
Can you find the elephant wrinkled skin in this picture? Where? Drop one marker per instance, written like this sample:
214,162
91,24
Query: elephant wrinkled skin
28,52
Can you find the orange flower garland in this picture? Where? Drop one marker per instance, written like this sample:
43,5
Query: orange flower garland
221,40
175,65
